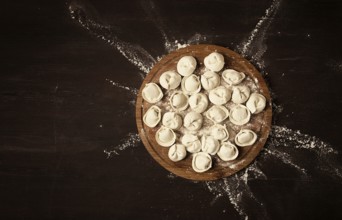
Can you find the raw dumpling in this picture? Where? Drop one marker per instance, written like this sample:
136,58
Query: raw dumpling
165,136
179,101
220,95
233,77
240,94
217,113
193,121
198,102
170,80
214,61
210,145
219,132
210,80
191,84
152,93
228,151
239,115
256,103
177,152
201,162
152,116
172,120
191,143
245,137
186,65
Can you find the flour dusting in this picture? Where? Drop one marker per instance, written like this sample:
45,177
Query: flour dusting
133,91
133,53
152,11
132,140
255,47
282,141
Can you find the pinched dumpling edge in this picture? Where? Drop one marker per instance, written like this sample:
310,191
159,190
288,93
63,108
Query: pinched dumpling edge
156,99
256,109
208,165
167,144
191,92
251,142
204,145
179,150
185,106
232,119
189,70
191,147
153,107
242,76
168,86
205,81
221,127
224,109
221,101
222,155
218,65
205,103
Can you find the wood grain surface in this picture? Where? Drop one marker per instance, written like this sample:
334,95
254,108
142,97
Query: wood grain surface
260,123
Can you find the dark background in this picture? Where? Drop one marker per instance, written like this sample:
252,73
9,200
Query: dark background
58,113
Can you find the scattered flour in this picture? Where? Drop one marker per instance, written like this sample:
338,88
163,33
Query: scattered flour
133,53
132,140
255,46
133,91
281,139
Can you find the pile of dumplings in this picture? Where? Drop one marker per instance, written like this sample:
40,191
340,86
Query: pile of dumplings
197,98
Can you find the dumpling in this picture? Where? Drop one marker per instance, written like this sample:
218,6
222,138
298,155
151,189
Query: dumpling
240,94
210,80
214,61
193,121
170,80
179,101
220,95
165,136
239,115
228,151
201,162
198,102
177,152
186,65
217,113
256,103
152,116
152,93
233,77
172,120
210,145
191,84
245,137
219,132
191,143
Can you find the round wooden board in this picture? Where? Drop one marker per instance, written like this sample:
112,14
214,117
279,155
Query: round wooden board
261,124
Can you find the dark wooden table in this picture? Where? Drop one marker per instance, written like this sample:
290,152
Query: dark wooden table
60,113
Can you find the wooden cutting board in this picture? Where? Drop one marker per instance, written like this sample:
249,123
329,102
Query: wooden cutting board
260,123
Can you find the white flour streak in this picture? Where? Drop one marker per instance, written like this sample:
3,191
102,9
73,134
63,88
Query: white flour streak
282,136
285,158
282,140
238,192
133,53
152,11
132,140
255,47
133,91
